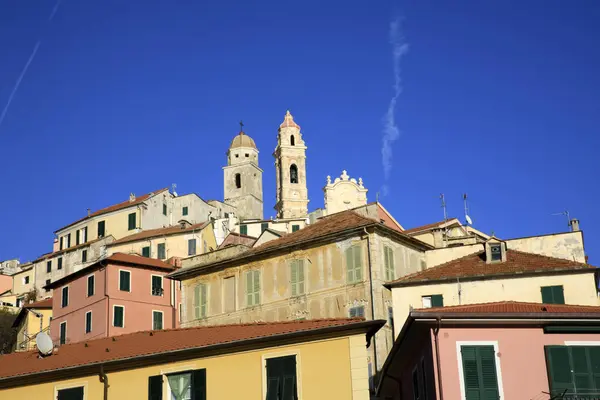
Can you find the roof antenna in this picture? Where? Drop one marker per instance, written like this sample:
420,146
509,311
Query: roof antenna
443,199
467,218
173,187
566,214
376,197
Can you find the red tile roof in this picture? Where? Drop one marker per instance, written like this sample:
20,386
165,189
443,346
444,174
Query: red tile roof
512,307
474,265
237,238
68,249
429,226
46,303
171,230
144,344
116,207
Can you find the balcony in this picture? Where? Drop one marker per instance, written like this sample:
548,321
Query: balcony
580,395
156,291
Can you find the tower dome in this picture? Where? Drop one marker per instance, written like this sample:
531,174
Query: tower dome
242,140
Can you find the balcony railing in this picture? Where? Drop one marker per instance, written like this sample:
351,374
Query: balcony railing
580,395
157,291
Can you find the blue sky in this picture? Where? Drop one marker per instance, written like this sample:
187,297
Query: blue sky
500,100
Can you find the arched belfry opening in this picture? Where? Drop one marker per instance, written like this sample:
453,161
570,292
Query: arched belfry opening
293,174
292,140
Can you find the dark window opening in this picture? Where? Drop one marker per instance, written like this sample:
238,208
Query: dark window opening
295,228
75,393
292,140
164,209
47,283
68,240
244,229
49,266
496,250
192,247
88,322
61,243
84,256
157,289
76,238
118,316
264,226
131,225
160,250
90,285
125,281
146,251
247,155
281,378
553,294
238,181
293,174
65,297
59,261
185,211
63,336
101,229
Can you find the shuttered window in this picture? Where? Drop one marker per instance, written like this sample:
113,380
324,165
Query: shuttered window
192,247
91,285
354,264
388,258
146,251
125,281
357,312
264,226
297,277
131,221
160,251
88,322
252,288
573,370
101,229
200,301
479,372
553,294
118,316
157,320
295,228
281,378
63,333
244,229
185,211
434,300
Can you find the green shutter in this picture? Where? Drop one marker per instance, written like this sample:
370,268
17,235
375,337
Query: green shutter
243,229
559,369
358,263
203,301
547,294
146,251
155,384
349,265
301,276
281,378
489,377
437,300
479,372
558,294
197,301
185,211
131,221
249,297
294,276
257,287
295,228
199,384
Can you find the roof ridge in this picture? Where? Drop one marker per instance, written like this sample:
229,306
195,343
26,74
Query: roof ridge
504,302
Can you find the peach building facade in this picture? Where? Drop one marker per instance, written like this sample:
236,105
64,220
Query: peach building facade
121,294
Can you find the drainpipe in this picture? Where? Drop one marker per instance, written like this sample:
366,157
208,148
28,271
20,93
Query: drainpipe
104,379
436,330
371,298
106,297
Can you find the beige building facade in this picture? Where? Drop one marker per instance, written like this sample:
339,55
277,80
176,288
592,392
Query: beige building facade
344,193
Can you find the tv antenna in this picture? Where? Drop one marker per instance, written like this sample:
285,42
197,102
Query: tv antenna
443,199
566,214
43,342
467,218
173,187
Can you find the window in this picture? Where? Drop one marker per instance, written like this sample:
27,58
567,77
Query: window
184,211
160,250
61,243
75,393
415,384
91,285
388,258
157,320
59,262
49,266
229,290
200,301
83,256
157,285
553,294
101,228
183,385
293,174
292,140
68,240
264,226
479,375
281,378
164,209
124,281
297,277
191,247
252,288
88,322
65,297
391,321
118,316
496,250
243,229
63,333
146,251
47,283
247,155
76,237
131,221
295,228
26,280
238,181
357,312
354,264
434,300
573,369
205,247
85,239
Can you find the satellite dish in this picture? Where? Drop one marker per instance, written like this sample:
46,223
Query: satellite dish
44,343
469,221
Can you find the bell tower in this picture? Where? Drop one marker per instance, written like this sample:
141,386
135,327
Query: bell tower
290,171
243,178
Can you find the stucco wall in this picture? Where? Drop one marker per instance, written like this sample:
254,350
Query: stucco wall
579,288
324,371
31,325
568,245
6,283
248,199
198,210
18,281
255,228
442,255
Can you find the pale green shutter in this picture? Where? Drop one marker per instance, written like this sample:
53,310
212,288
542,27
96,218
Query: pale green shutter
249,297
390,264
479,372
301,276
256,287
358,263
294,276
203,301
386,263
197,301
349,265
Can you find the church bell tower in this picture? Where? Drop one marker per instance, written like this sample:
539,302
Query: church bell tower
290,171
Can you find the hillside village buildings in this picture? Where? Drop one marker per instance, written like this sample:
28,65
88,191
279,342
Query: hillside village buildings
163,260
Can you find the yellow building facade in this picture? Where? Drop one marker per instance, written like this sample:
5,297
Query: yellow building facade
32,319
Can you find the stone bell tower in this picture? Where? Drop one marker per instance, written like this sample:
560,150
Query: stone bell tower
290,171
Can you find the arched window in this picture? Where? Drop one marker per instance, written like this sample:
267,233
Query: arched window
292,140
294,174
238,181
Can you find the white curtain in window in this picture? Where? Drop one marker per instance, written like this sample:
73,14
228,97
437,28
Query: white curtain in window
180,386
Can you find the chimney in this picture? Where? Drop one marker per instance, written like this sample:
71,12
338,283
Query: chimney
174,261
89,212
574,223
131,197
438,238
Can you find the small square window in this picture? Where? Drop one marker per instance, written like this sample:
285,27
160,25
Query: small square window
434,300
357,312
184,211
496,250
247,155
243,229
295,228
237,155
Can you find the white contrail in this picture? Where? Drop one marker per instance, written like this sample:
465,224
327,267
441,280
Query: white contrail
26,67
391,133
18,83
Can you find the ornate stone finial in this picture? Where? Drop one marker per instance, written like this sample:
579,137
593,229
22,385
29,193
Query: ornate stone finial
360,182
344,175
328,180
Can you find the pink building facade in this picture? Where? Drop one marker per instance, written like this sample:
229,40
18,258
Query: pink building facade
121,294
496,351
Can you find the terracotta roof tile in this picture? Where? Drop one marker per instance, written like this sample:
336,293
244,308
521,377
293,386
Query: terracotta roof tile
143,344
116,207
237,238
474,265
46,303
429,226
511,307
170,230
68,249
